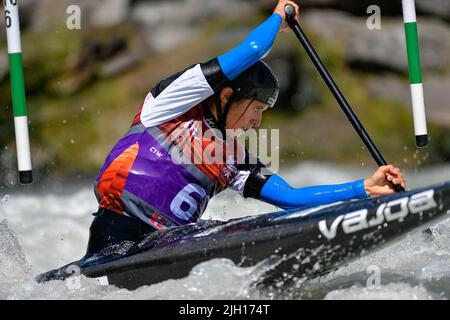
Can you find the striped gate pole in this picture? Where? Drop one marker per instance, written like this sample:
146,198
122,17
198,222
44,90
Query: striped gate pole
415,73
18,91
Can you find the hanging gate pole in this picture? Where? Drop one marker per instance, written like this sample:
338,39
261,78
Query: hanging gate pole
415,73
18,91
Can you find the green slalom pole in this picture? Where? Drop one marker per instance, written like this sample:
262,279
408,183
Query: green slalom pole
18,91
415,73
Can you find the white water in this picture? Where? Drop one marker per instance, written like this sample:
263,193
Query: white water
40,232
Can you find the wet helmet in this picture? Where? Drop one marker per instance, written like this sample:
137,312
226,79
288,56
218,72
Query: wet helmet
258,82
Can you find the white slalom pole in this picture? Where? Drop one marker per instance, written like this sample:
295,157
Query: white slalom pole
18,91
415,73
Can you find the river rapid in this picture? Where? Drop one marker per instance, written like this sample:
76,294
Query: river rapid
45,228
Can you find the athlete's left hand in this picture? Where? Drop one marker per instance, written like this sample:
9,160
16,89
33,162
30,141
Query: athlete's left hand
380,183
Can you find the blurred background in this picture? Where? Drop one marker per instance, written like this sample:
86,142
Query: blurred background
84,86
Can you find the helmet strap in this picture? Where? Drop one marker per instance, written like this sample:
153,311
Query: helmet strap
218,109
222,115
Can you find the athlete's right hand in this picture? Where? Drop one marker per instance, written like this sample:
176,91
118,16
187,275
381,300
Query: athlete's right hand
380,183
280,10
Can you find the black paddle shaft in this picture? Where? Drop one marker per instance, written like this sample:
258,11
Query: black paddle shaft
351,116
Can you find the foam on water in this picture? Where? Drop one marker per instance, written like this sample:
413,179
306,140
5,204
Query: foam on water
392,291
41,232
53,229
13,263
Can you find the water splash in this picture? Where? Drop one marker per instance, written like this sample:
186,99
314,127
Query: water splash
52,229
13,263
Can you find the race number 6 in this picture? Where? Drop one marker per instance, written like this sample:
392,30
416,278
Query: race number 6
184,197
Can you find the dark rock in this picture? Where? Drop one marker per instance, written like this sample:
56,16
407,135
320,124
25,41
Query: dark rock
94,50
87,56
297,88
113,46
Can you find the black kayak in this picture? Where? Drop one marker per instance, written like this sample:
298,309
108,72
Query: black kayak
291,244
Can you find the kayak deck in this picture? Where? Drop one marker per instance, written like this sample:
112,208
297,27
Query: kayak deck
292,244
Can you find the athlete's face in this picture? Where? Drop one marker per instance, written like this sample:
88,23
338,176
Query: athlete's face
243,114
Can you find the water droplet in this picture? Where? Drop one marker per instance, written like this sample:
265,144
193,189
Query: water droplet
64,121
72,141
362,164
405,148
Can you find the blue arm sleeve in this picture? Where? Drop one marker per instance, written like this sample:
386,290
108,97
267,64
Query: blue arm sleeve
255,47
278,192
